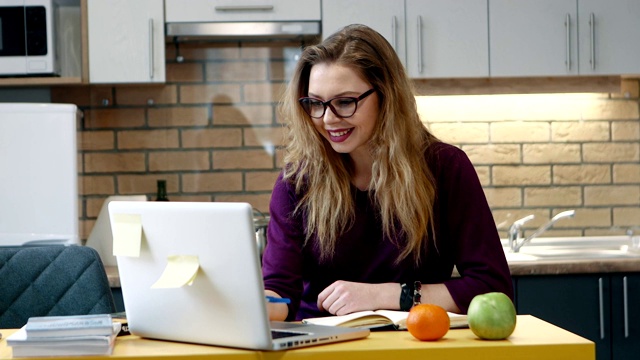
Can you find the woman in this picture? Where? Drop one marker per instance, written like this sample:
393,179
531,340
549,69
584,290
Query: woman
369,202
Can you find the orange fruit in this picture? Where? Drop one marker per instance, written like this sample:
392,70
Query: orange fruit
428,322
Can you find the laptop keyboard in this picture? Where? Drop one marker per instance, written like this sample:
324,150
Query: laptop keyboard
278,334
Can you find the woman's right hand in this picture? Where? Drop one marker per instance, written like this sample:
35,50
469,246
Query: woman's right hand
277,311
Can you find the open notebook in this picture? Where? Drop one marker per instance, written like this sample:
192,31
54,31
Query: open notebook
380,319
190,272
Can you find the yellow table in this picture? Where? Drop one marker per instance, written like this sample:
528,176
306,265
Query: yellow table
532,339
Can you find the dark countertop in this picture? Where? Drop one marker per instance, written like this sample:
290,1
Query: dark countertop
521,268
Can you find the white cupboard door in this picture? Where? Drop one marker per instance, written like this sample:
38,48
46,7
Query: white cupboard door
447,38
533,38
386,17
126,41
609,37
242,10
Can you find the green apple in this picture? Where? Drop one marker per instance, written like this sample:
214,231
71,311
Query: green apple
492,316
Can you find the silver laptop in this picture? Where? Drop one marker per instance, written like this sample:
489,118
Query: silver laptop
100,237
223,302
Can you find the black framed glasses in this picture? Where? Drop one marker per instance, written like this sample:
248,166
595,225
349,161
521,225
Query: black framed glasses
342,106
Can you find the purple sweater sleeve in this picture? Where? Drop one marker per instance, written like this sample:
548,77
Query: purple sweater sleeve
282,258
465,220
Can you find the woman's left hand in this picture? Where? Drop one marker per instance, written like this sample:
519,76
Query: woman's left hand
345,297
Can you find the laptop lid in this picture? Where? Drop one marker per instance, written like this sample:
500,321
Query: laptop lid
100,237
193,275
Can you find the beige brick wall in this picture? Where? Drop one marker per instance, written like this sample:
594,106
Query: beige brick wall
213,132
549,153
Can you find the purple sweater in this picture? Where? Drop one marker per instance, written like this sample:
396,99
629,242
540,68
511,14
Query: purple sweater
466,235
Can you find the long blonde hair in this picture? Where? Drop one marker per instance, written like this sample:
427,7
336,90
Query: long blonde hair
402,186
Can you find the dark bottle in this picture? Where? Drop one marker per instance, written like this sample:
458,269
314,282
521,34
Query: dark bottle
162,191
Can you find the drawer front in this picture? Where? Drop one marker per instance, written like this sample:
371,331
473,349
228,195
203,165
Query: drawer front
241,10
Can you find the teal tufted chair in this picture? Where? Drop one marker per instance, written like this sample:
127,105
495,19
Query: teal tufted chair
51,281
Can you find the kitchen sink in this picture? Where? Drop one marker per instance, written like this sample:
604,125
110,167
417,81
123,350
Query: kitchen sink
579,248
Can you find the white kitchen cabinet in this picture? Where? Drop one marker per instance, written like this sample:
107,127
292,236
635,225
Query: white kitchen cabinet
126,41
609,37
386,17
447,38
564,37
433,38
241,10
533,38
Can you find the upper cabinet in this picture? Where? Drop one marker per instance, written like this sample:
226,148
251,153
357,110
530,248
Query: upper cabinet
242,10
447,38
386,17
435,39
564,37
501,38
609,37
126,41
533,38
123,41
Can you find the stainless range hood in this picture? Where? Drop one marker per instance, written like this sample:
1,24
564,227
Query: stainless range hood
236,31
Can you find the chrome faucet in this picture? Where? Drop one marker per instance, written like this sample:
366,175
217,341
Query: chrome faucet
634,239
515,231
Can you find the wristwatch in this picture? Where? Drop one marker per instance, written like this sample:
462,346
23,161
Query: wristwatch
410,295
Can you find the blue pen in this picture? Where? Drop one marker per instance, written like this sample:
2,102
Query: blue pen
273,299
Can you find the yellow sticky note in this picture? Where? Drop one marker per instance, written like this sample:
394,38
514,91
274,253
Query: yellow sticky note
127,234
181,270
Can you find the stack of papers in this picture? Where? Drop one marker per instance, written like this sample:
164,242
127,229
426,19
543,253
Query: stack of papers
65,335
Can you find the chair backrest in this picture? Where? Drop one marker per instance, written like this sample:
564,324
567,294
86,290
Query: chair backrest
51,281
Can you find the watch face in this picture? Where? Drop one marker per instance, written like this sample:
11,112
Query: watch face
406,297
417,292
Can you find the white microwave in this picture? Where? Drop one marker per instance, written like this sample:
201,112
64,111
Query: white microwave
27,38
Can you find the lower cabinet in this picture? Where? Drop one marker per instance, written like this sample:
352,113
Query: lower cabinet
592,306
625,315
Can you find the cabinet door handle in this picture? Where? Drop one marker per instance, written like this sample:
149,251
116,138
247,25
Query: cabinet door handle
151,52
601,307
592,40
393,33
567,54
245,8
625,300
419,44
